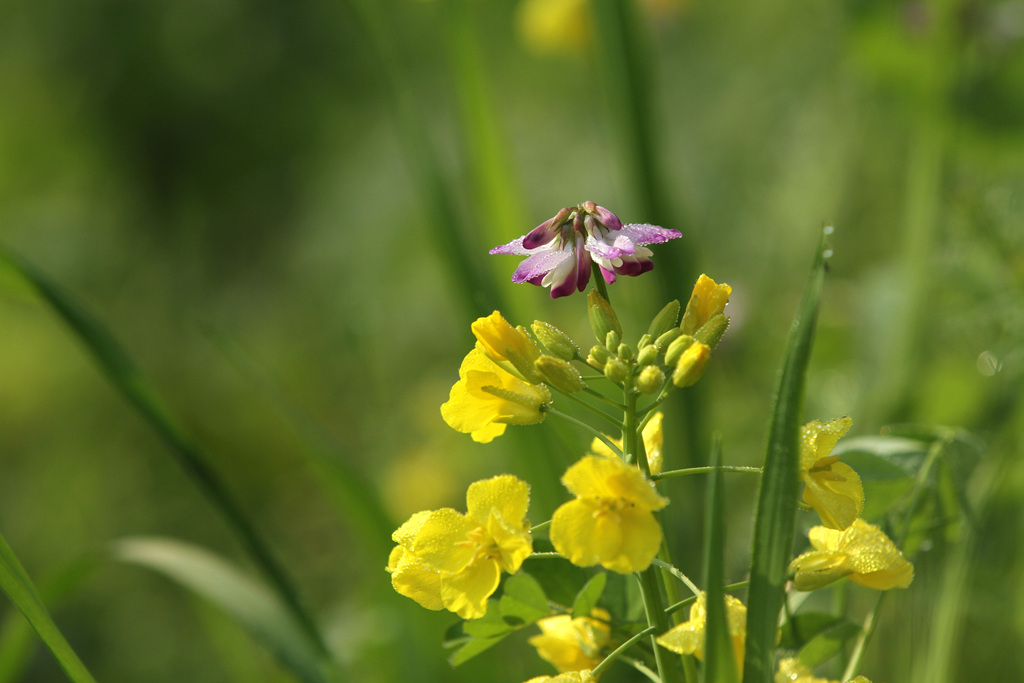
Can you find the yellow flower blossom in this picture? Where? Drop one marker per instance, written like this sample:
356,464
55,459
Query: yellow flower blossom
863,552
832,488
654,441
792,670
504,343
573,644
584,676
611,522
707,300
487,397
688,638
449,560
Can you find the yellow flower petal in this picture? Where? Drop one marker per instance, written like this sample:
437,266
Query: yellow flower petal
591,531
707,300
572,644
584,676
466,592
502,342
595,476
442,542
507,494
863,552
411,579
792,670
832,488
688,637
817,439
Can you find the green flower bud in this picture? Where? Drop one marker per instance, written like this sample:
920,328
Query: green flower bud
625,351
650,380
599,355
612,341
676,348
691,365
648,355
602,318
616,370
667,338
560,374
558,343
711,332
665,320
644,341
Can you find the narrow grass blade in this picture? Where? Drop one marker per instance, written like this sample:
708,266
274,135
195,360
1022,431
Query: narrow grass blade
777,497
115,363
17,640
19,588
719,661
249,602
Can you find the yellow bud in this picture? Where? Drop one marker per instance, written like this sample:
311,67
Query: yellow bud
691,365
602,318
675,350
665,320
650,380
616,370
558,343
560,374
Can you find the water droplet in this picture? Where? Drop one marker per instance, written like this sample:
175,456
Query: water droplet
827,253
988,364
829,229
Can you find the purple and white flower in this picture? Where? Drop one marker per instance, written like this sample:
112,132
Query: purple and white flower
560,249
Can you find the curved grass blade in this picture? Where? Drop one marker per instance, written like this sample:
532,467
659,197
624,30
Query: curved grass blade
719,662
19,588
777,497
17,642
115,363
249,602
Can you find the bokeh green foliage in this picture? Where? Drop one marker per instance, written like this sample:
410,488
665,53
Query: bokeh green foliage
228,187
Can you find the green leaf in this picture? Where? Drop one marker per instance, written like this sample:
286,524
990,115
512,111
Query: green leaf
122,372
472,649
719,661
523,600
777,497
19,588
560,580
248,601
490,625
798,630
828,643
586,599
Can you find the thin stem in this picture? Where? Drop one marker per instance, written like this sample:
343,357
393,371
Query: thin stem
703,470
544,554
675,607
678,574
607,442
642,668
648,411
617,652
593,409
541,526
602,289
658,619
599,395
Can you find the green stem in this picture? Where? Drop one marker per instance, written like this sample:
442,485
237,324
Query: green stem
599,282
704,470
607,442
617,652
594,409
675,607
678,574
598,395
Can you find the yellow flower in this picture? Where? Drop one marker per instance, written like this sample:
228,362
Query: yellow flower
449,560
554,26
654,441
707,300
584,676
688,638
832,487
791,670
573,644
863,552
487,397
504,343
611,521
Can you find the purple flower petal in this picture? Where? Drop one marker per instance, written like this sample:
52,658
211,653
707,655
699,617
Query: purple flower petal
608,275
540,264
622,246
644,233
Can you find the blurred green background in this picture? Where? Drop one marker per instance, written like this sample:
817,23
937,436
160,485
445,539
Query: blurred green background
235,189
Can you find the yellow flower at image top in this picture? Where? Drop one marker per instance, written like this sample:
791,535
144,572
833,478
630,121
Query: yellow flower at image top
707,300
573,644
584,676
611,522
832,488
862,552
448,560
654,442
792,670
487,398
688,638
